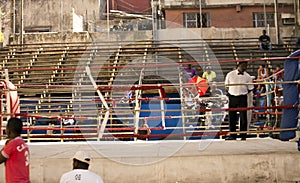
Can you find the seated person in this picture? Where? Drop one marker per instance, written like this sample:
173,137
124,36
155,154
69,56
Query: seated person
69,120
209,75
265,41
144,131
297,43
189,71
190,102
127,98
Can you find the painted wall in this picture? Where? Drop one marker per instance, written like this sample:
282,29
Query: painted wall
218,2
222,17
57,13
131,6
222,3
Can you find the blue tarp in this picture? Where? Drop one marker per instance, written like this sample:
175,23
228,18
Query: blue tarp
291,97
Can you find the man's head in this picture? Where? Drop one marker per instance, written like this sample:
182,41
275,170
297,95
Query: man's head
264,32
278,67
242,66
81,160
14,127
208,69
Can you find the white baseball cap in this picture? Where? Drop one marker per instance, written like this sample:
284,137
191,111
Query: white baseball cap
82,156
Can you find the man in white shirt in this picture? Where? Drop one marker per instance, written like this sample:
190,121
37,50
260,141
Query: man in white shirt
237,88
80,172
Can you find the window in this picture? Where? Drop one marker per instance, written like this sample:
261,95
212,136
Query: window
288,19
37,29
192,20
259,19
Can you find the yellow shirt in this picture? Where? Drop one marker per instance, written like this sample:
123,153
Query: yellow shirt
1,37
209,77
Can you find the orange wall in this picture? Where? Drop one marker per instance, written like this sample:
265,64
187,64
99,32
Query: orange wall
131,6
226,17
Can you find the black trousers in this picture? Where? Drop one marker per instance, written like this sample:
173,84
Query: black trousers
237,102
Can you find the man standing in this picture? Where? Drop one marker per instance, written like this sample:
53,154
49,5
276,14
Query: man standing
237,86
15,153
80,172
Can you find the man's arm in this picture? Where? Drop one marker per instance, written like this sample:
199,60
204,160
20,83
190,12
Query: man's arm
2,158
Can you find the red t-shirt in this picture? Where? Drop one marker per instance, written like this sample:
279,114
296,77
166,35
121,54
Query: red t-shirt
17,164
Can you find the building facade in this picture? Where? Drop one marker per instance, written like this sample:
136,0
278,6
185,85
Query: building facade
279,16
218,18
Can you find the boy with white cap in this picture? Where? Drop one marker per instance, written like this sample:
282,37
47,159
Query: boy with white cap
80,172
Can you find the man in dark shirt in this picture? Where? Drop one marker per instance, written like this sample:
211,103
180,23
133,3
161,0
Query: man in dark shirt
265,41
297,44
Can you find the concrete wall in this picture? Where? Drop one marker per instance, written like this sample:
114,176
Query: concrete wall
164,34
254,160
57,13
54,37
223,33
71,37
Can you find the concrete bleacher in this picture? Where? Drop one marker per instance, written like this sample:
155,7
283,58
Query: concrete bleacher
45,73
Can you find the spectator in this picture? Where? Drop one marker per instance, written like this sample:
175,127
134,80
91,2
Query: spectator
189,71
297,43
144,131
209,75
277,74
15,153
278,77
1,39
69,120
80,172
238,98
215,91
190,100
127,98
265,41
217,101
262,73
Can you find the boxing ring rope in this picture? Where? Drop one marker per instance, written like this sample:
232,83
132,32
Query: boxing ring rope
82,128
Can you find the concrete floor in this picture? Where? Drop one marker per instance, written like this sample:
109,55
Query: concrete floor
254,160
